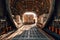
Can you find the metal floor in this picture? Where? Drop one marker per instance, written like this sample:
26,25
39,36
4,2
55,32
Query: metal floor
32,34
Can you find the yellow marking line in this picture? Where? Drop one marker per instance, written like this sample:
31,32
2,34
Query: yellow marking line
19,31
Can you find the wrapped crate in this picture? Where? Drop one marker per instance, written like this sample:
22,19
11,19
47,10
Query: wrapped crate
28,19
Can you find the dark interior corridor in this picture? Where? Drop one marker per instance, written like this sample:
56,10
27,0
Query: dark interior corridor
29,20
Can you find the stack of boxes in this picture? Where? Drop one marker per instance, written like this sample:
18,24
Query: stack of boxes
55,26
29,19
4,26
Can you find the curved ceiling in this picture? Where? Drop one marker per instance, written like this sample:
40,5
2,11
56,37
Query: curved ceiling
37,6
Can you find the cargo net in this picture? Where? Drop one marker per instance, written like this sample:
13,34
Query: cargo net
40,7
21,6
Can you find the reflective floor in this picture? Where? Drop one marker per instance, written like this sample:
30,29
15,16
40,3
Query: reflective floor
31,34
